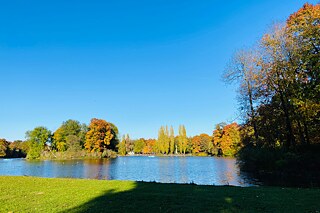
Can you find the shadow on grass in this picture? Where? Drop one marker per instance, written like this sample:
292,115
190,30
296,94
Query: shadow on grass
156,197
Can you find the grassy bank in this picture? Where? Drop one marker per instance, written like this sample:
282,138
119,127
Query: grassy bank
30,194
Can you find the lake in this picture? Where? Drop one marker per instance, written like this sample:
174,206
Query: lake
198,170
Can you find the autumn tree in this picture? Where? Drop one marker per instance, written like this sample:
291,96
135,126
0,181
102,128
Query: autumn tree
150,146
217,138
202,143
4,148
303,29
231,140
196,144
245,70
277,66
227,139
99,135
206,143
286,99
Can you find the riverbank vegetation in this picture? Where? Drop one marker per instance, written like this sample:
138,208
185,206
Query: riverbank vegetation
99,139
29,194
279,95
70,140
225,141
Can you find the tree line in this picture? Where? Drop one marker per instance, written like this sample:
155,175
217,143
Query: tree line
224,141
100,139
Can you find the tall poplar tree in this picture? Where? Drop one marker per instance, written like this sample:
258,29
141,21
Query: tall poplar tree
172,144
183,139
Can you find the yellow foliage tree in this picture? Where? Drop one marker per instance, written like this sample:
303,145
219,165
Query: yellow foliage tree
98,136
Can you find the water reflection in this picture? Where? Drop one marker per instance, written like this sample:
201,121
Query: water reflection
199,170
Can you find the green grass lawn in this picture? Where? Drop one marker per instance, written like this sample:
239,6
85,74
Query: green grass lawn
31,194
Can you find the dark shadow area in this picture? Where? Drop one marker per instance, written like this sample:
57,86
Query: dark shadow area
157,197
282,167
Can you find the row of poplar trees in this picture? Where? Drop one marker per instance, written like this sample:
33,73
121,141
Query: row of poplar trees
225,141
166,141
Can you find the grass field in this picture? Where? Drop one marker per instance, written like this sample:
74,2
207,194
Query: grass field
31,194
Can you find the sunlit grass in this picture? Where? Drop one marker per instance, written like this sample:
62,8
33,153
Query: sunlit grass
30,194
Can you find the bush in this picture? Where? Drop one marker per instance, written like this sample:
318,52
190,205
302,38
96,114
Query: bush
282,167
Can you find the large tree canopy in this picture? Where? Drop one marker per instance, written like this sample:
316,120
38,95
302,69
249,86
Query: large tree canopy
100,136
70,135
37,138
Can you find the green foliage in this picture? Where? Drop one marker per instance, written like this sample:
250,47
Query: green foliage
74,143
163,142
182,140
172,141
37,139
122,147
139,146
73,130
18,149
30,194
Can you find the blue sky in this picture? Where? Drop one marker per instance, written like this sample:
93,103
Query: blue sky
138,64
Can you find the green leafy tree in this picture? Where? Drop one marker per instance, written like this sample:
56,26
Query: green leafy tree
129,144
139,146
73,143
183,139
122,146
166,141
172,141
71,129
37,138
161,141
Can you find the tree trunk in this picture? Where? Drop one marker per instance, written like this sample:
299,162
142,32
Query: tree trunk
290,136
253,118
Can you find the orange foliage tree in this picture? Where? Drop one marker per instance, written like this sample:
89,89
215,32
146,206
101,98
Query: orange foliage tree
149,148
99,135
227,140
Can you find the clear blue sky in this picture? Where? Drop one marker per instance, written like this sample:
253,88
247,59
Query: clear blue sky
138,64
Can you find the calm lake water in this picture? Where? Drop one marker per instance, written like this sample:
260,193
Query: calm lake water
198,170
